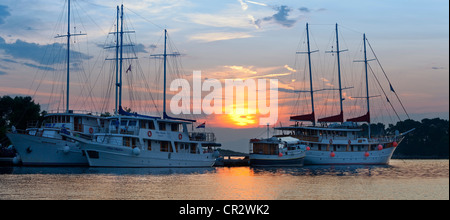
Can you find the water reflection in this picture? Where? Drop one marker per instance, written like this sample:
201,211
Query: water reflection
332,170
101,171
413,179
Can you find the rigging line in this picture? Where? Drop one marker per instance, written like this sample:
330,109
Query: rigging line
158,26
376,78
390,84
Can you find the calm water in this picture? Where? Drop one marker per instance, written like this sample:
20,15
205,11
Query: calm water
402,179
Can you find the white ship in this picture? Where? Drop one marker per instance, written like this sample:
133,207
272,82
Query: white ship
44,145
142,141
282,151
133,140
335,141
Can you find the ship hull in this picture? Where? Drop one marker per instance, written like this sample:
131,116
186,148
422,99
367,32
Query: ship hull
43,151
275,160
103,155
378,157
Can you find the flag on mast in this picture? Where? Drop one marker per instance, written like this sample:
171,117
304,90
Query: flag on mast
129,69
203,125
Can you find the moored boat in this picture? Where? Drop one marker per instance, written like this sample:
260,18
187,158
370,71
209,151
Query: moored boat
134,140
44,144
277,151
334,141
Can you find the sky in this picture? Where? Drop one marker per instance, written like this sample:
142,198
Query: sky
230,39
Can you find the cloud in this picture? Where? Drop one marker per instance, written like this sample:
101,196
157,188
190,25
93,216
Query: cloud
281,17
257,3
2,73
304,9
43,54
4,13
243,5
219,36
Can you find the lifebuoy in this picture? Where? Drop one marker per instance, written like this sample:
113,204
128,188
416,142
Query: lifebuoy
91,130
349,142
331,141
180,136
149,133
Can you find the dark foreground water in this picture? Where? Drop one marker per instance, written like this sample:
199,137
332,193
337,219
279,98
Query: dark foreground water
402,179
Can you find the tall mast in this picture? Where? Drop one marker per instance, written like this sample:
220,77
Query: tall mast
121,56
367,81
68,57
310,72
117,62
165,71
339,68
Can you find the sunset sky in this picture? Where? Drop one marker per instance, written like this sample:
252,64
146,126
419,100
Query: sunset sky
230,39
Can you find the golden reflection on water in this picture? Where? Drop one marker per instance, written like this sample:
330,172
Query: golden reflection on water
403,179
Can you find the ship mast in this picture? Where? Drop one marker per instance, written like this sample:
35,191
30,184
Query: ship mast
367,83
68,55
310,72
165,71
339,68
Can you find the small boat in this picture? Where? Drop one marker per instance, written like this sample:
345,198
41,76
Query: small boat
277,151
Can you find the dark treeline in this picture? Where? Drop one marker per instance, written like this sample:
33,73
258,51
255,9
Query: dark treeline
429,140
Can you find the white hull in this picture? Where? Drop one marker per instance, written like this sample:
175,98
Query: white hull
103,155
381,157
43,151
295,160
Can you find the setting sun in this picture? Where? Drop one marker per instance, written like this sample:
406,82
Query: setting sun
242,120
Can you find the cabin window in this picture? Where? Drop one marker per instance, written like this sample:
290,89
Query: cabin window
127,141
268,149
132,123
193,148
162,126
164,146
151,125
123,123
174,127
149,145
143,124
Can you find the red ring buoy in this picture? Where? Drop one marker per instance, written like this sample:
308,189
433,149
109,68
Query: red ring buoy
395,144
367,154
91,130
180,136
149,133
308,148
332,154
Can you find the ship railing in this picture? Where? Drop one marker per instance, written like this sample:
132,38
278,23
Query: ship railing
202,136
82,112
